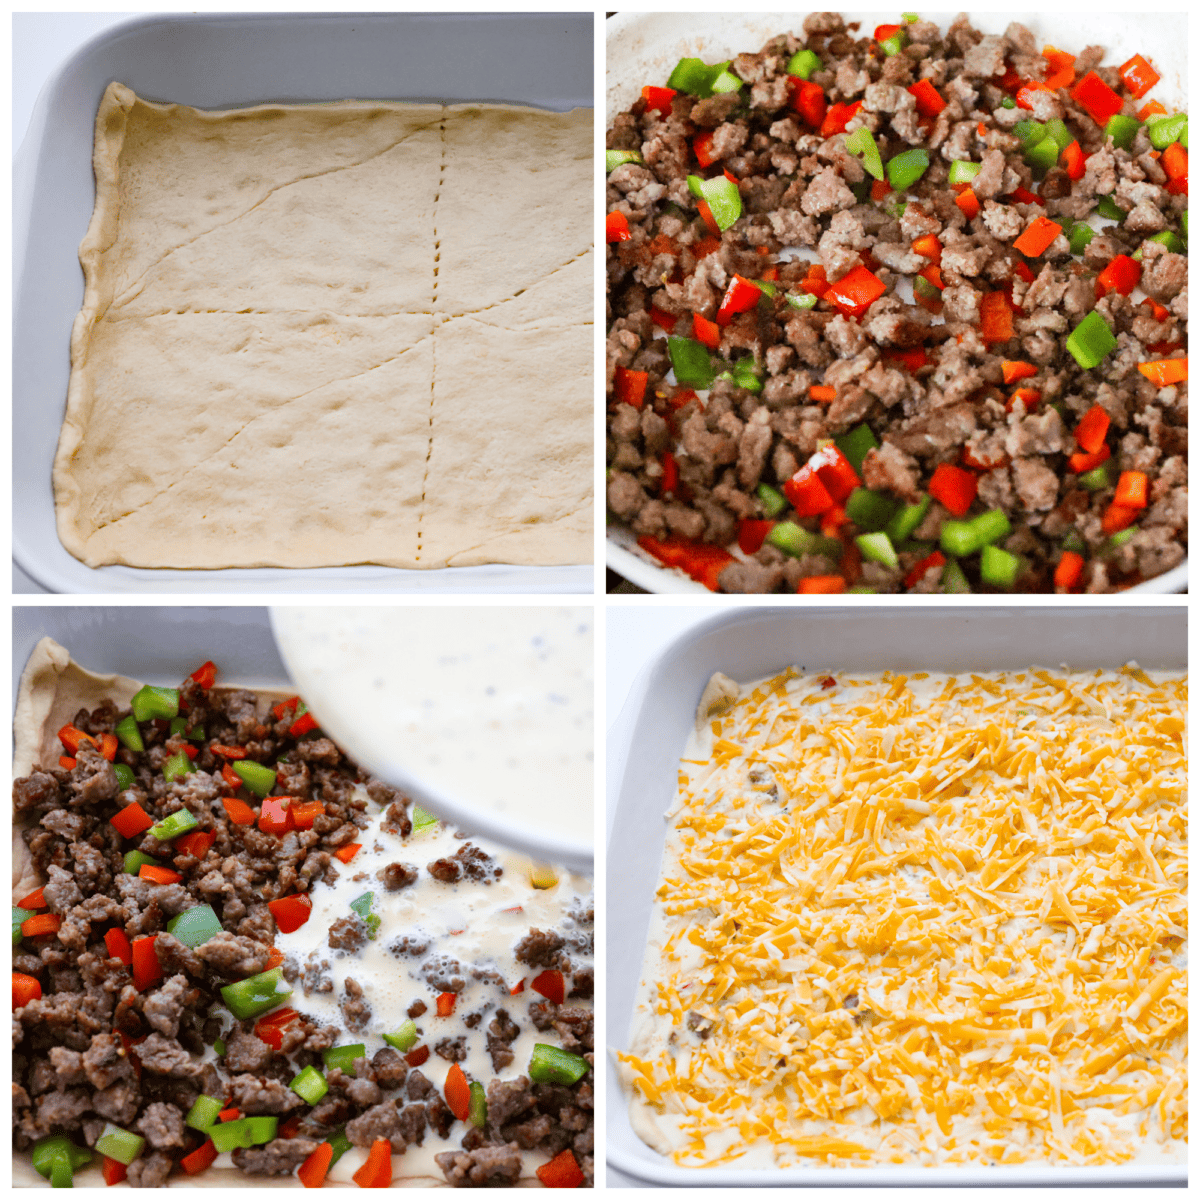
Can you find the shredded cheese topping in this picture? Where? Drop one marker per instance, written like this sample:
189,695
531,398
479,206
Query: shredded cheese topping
925,920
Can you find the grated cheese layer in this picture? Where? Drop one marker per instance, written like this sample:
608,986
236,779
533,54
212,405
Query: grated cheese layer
928,919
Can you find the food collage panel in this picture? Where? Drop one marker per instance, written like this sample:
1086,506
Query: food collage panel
348,799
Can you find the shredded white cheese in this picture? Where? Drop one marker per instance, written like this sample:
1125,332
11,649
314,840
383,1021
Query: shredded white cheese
930,919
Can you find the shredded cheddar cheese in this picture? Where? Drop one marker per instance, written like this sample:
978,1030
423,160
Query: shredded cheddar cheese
937,919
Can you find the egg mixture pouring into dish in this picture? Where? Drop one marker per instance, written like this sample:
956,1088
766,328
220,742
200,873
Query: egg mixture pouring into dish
492,705
237,956
921,920
901,312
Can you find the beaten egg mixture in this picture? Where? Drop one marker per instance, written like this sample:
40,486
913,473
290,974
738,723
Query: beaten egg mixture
931,919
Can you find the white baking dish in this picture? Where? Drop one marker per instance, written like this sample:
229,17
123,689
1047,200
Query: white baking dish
644,749
224,61
644,47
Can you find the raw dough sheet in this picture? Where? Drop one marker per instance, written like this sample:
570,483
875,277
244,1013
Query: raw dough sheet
323,335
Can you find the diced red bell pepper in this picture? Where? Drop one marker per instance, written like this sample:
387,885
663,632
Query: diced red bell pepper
808,99
119,946
703,562
1092,429
270,1029
196,844
290,1128
664,320
1013,371
284,707
35,900
1062,72
1028,90
41,925
1138,76
1151,109
162,876
856,291
933,274
457,1092
1069,570
230,752
970,459
702,146
709,220
316,1166
146,967
953,488
658,99
346,853
837,117
114,1172
821,585
417,1056
912,360
1081,463
968,202
822,393
305,723
377,1170
445,1003
562,1171
833,520
1024,196
71,738
706,332
131,821
1165,372
616,228
929,100
25,989
290,912
995,318
1096,98
740,296
752,534
1121,275
1174,162
1022,271
670,476
305,812
1029,397
1131,490
834,470
205,675
1117,517
1036,238
1008,80
936,559
238,811
807,494
549,984
883,32
109,746
1073,161
67,764
928,246
275,816
629,387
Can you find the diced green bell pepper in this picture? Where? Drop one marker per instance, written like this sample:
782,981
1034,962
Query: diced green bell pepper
219,1047
795,540
1108,208
1091,340
1008,102
1057,129
958,538
550,1064
20,915
905,168
57,1158
723,198
309,1085
928,291
1171,240
803,63
180,725
1029,131
990,527
859,590
129,735
772,500
861,143
954,582
998,567
802,300
1122,130
1097,478
405,1038
176,825
856,445
1072,541
195,926
422,819
243,1133
340,1143
877,547
135,860
691,362
870,510
252,997
342,1057
1044,155
118,1143
155,702
1165,130
900,527
615,158
893,45
477,1114
1080,237
962,170
259,779
1122,536
125,776
909,18
203,1113
177,766
726,81
362,906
